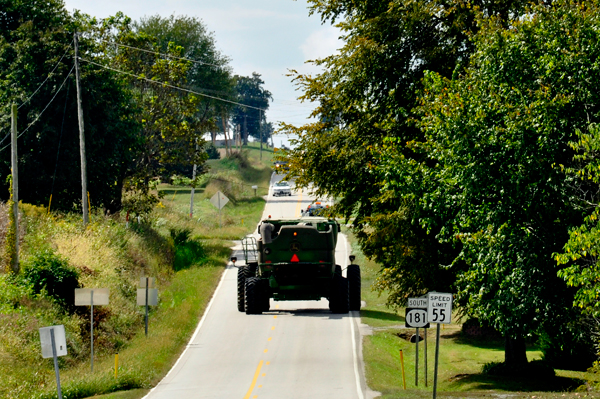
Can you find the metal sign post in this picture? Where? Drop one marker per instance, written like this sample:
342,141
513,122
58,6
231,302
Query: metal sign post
54,344
147,296
90,297
416,317
439,310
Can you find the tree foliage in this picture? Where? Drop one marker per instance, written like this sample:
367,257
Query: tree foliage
442,131
250,91
36,55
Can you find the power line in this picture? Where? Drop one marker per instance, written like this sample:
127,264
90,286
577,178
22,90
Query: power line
164,55
45,108
171,86
40,86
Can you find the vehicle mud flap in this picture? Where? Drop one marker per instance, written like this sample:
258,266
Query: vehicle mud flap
354,282
265,294
253,295
252,269
338,270
338,298
241,283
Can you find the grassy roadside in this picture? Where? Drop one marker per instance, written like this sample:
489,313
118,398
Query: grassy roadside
186,255
460,359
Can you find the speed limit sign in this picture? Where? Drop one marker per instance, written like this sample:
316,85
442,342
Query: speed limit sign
439,307
416,318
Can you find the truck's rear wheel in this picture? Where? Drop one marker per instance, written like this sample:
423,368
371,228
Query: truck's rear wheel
254,302
353,274
241,283
338,299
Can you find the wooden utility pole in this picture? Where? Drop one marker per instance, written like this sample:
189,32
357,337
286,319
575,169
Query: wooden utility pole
191,205
260,130
245,131
15,184
84,201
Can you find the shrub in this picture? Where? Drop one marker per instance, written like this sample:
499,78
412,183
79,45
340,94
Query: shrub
212,151
48,270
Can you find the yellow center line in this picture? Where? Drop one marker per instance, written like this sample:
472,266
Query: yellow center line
269,338
256,374
272,328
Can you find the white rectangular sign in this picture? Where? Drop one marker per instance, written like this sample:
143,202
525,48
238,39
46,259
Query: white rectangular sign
60,341
83,296
151,282
418,303
152,296
439,307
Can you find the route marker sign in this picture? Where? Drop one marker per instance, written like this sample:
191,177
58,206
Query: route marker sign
416,313
439,307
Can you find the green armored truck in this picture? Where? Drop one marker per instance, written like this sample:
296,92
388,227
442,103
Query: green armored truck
294,260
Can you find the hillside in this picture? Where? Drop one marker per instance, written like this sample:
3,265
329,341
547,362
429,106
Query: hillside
185,255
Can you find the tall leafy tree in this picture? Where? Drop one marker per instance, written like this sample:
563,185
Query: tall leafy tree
496,142
170,130
36,55
366,96
210,74
250,91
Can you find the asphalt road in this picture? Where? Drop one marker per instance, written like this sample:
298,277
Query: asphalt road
296,350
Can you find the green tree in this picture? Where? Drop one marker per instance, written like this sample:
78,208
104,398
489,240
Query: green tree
170,130
250,91
36,56
366,96
495,139
210,74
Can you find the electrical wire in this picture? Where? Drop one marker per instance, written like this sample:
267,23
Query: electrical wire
45,108
164,55
169,85
39,87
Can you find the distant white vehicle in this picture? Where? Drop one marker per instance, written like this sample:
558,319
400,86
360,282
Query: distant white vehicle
282,188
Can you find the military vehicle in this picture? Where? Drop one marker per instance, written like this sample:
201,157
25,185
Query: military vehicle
294,260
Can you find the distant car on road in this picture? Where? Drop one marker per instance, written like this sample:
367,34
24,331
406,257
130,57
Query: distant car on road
282,188
315,209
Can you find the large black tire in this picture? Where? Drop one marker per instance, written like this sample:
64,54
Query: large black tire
241,287
254,297
338,298
353,275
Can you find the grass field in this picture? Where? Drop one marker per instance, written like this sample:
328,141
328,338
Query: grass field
460,358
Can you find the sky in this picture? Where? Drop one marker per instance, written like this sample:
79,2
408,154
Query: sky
269,37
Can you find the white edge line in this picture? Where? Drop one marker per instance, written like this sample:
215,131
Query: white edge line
195,332
352,318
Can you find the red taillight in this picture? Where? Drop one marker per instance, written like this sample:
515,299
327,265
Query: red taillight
295,258
267,261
